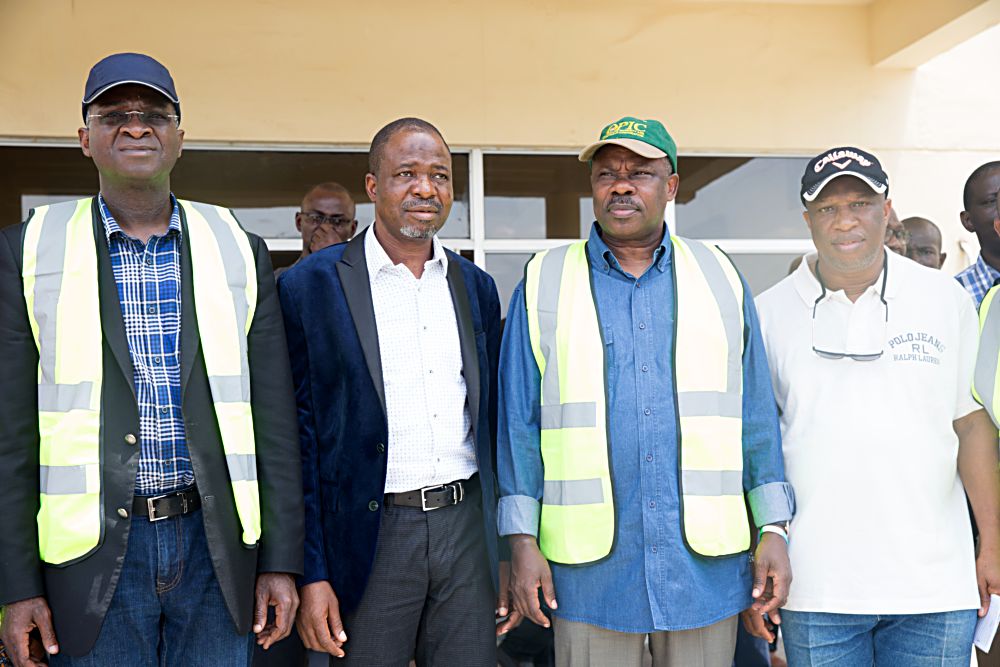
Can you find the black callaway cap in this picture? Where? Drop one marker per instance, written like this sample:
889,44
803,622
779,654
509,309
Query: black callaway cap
122,68
844,161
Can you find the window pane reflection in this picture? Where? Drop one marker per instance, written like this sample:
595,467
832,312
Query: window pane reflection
534,196
763,271
740,198
507,270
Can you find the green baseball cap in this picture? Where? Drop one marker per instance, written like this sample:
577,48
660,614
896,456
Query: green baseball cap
647,138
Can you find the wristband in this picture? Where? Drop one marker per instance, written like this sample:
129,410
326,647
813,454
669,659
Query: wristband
777,530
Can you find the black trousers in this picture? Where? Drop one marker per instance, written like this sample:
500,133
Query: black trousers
430,596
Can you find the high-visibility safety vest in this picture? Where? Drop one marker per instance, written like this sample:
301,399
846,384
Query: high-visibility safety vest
61,294
578,517
986,381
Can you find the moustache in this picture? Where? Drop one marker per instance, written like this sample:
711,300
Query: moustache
623,201
412,204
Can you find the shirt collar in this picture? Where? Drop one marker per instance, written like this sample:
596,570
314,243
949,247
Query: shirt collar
984,272
809,288
111,226
602,258
377,258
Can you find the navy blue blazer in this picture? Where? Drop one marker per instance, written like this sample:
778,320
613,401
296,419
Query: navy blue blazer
337,372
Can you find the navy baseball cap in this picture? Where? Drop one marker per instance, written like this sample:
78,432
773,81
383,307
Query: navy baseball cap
122,68
843,161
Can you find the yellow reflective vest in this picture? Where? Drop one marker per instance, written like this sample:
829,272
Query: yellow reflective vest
578,518
986,380
60,279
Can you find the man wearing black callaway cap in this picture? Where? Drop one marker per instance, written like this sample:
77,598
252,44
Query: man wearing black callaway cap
148,447
872,358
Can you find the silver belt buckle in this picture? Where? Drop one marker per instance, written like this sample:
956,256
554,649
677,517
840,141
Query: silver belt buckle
152,510
458,494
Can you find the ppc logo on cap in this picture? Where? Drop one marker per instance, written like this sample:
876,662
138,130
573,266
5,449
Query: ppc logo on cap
846,161
647,138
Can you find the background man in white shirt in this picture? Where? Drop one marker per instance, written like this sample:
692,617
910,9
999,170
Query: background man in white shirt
872,360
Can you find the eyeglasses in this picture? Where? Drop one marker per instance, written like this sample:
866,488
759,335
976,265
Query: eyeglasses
319,218
153,119
856,356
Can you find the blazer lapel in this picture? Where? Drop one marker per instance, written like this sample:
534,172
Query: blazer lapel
353,271
190,340
111,312
466,338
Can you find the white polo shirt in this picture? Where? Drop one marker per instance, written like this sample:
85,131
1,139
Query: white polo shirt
881,525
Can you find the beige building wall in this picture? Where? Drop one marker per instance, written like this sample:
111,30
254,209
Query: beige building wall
787,78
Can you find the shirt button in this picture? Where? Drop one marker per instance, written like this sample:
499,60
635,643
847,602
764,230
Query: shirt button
652,503
156,360
164,411
431,371
380,447
645,368
130,439
152,309
642,325
122,512
646,411
149,262
373,506
649,457
654,549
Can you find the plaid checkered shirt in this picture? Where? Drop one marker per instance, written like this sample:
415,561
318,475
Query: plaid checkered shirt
978,279
148,277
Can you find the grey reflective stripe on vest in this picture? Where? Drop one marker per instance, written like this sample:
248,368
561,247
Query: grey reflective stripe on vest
710,403
568,415
712,482
573,492
229,389
236,276
549,284
242,467
62,480
985,380
51,253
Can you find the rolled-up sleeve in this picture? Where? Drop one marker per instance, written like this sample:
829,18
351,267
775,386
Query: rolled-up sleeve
519,457
771,498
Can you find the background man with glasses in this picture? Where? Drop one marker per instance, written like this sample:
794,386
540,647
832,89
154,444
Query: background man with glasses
326,218
872,359
150,475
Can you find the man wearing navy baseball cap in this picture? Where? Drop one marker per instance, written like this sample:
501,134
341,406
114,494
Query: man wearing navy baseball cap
872,358
148,437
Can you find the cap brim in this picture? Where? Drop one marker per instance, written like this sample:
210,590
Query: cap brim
108,87
813,192
634,145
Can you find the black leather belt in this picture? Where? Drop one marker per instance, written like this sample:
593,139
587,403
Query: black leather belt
429,498
158,508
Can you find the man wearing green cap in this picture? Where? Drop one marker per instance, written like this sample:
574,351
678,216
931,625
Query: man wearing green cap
637,422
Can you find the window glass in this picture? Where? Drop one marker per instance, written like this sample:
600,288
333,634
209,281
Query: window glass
507,269
740,198
763,271
534,196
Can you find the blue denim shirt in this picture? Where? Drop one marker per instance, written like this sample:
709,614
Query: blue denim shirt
650,581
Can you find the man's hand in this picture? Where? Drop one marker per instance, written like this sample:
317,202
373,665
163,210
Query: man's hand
323,237
529,570
987,575
20,621
772,575
319,621
277,590
754,623
503,603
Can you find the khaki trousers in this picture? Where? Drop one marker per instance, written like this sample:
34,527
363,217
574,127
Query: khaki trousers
583,645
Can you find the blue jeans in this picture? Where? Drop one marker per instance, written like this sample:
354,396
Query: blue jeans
861,640
167,610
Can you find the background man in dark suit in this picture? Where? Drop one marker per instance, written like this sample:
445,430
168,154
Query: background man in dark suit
170,576
394,344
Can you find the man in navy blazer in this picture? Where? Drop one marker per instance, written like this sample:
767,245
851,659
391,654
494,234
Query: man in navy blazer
394,344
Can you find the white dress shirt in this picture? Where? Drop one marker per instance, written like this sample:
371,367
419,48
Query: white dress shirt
430,429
